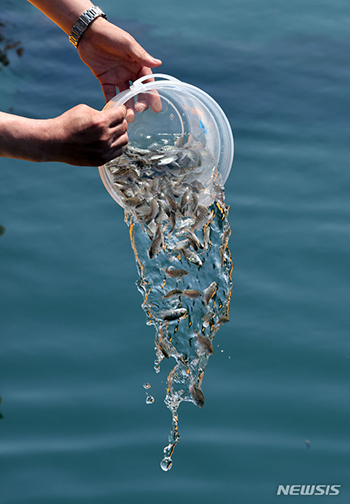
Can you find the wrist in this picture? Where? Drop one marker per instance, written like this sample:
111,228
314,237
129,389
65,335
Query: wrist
95,33
53,134
84,22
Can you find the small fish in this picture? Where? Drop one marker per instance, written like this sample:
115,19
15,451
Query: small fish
153,212
195,242
226,236
151,230
185,202
197,186
155,157
192,257
156,244
186,224
179,142
174,314
189,203
161,216
208,316
172,203
180,245
204,344
162,349
194,202
191,243
202,215
133,202
197,395
135,151
191,293
206,237
167,160
210,292
176,273
173,293
172,217
190,159
219,193
223,319
120,172
222,255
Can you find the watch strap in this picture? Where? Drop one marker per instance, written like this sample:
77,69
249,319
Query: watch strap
83,22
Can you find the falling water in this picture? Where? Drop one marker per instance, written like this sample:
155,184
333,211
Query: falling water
183,259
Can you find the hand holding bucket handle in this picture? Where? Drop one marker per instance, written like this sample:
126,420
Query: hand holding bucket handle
144,99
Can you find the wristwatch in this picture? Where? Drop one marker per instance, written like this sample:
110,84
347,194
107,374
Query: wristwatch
83,22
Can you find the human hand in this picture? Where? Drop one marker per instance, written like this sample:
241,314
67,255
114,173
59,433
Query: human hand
115,58
81,136
84,136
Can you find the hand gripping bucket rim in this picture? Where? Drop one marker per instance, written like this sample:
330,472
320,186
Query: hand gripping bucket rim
223,133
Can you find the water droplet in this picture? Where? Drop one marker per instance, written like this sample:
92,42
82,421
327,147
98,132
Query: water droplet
221,351
146,386
172,117
149,399
166,464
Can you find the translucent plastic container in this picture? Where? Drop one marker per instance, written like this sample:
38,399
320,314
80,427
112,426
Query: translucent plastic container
176,110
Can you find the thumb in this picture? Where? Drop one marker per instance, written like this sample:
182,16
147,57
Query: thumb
139,54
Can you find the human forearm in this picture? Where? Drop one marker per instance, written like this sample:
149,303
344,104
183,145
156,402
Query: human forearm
63,12
81,136
112,54
22,138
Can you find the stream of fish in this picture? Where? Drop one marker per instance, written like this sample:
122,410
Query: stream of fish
178,223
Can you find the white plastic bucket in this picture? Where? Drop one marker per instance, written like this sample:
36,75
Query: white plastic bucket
185,109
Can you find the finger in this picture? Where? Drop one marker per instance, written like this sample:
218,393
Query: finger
115,115
153,98
142,103
118,130
155,102
130,113
120,141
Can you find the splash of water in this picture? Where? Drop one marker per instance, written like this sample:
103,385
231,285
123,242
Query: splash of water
188,338
183,259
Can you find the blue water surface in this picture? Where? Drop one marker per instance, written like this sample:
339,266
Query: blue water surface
75,350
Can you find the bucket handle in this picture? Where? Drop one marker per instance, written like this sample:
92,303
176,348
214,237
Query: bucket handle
138,83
